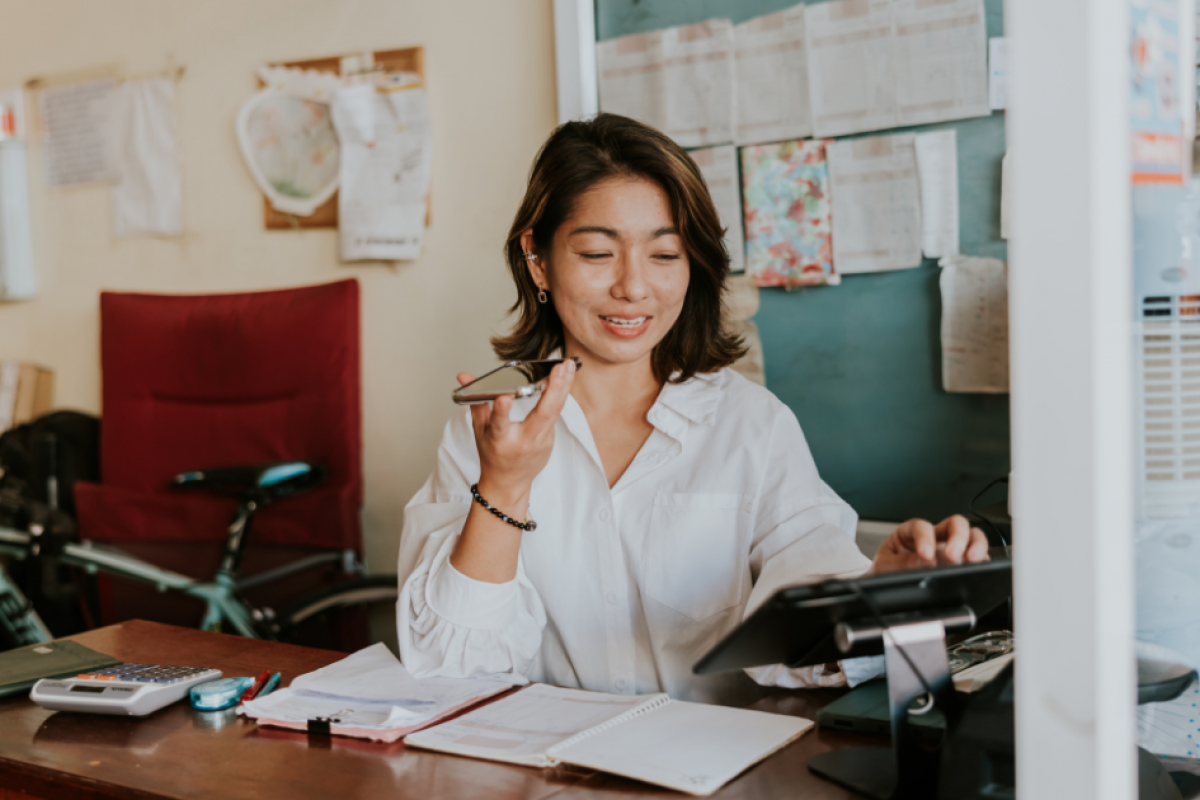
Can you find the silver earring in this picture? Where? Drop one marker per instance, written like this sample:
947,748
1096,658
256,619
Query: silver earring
542,296
531,256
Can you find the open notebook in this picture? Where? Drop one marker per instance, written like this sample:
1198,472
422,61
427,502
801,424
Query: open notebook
690,747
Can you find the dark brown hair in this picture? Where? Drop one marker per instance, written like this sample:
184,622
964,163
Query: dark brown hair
576,157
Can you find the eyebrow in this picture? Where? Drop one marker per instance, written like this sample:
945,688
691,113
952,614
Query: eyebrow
670,230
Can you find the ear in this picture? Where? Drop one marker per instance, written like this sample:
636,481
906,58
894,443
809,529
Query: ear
537,266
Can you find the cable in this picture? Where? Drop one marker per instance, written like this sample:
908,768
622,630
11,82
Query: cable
987,522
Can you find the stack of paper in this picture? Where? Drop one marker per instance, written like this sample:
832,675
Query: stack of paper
371,695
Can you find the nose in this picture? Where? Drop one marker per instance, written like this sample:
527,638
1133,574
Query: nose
631,283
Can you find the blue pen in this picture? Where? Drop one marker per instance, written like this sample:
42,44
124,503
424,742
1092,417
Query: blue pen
272,685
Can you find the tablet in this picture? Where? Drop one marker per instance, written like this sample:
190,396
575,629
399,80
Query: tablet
795,626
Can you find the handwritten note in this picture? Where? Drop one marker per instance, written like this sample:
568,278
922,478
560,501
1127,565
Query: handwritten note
79,135
974,325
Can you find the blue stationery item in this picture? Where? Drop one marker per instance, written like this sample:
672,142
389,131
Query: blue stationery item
216,695
272,685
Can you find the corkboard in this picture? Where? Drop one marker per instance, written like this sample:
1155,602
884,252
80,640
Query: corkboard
408,59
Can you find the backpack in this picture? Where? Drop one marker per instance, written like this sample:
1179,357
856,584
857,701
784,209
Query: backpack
63,445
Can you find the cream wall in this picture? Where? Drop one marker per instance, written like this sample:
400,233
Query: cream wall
490,74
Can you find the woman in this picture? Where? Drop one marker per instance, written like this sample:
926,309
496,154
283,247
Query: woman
671,496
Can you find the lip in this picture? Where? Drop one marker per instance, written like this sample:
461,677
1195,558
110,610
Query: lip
625,331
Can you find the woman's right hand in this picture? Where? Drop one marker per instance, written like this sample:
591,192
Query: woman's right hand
511,454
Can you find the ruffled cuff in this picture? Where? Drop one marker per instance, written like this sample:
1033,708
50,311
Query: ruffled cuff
469,603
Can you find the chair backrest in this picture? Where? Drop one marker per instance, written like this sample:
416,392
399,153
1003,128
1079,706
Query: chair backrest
197,381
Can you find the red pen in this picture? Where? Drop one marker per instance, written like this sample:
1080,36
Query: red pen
255,687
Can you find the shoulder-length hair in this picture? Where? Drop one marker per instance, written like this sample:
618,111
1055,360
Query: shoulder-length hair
576,157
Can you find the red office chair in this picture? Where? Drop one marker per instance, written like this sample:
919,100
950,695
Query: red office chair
198,382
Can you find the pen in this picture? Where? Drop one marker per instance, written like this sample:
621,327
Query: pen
255,687
272,685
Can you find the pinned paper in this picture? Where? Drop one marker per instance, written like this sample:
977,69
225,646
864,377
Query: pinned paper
937,172
974,325
148,196
79,133
719,167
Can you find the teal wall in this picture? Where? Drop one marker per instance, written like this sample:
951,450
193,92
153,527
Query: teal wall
860,363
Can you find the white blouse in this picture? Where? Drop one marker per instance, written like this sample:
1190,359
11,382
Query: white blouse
624,589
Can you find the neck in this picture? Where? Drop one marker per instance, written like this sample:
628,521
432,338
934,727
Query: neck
605,387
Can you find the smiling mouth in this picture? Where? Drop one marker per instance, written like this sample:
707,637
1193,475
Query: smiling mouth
623,322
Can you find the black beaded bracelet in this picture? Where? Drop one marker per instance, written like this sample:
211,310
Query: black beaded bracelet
526,526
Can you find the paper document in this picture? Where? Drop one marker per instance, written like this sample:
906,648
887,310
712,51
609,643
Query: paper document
147,198
698,83
370,674
876,204
937,174
974,325
940,60
386,166
522,726
1005,195
78,133
719,167
1172,728
18,279
785,190
998,73
772,78
850,66
631,77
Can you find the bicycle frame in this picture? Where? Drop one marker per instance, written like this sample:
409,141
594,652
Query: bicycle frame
220,595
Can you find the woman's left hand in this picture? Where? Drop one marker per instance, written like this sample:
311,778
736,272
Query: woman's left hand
918,543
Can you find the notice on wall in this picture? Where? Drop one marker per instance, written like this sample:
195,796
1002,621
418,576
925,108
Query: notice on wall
850,66
998,73
698,83
78,133
940,54
719,167
772,78
386,166
631,77
974,325
147,199
876,204
937,173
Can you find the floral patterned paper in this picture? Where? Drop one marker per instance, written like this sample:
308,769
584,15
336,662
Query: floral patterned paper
785,190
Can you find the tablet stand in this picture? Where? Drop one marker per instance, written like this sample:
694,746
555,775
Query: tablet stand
907,770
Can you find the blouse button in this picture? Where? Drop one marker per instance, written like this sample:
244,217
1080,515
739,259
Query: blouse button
604,515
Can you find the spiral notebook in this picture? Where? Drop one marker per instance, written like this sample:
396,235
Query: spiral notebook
690,747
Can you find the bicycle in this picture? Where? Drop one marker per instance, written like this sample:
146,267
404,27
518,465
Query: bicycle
254,488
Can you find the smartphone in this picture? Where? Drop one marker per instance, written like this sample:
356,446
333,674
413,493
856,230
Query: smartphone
516,378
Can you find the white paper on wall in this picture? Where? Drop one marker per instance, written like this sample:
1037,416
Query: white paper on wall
631,77
771,67
974,324
18,280
1005,202
386,166
148,196
719,166
850,66
77,120
998,73
940,57
698,83
937,173
876,204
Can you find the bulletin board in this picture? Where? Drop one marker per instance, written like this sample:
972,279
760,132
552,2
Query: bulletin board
860,363
408,59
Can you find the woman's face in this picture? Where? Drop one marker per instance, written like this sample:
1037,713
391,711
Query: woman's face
617,273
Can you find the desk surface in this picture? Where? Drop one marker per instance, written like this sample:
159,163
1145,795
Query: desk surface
182,753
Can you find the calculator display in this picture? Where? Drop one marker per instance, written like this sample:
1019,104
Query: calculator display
90,689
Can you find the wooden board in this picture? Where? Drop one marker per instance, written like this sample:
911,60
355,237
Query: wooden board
407,59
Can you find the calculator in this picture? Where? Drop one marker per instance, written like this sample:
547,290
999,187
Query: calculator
126,689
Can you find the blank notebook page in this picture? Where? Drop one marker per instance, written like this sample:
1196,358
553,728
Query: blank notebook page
690,747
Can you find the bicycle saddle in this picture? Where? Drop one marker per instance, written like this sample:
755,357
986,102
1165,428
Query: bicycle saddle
259,481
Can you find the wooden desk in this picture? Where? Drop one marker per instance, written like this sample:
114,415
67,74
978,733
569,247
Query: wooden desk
182,753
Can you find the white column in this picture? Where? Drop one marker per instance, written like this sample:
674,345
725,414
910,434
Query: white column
575,59
1072,417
